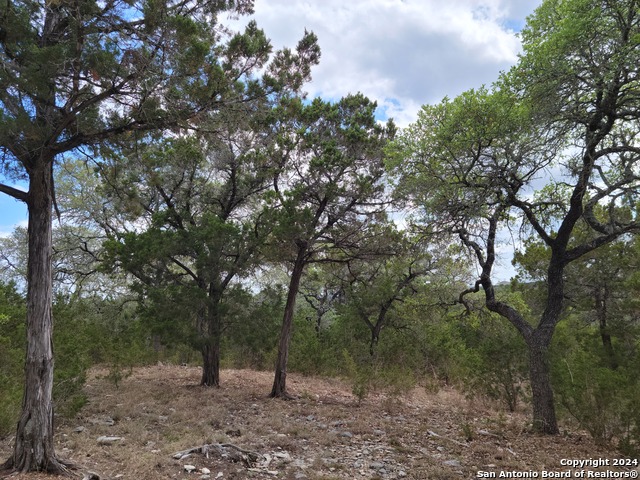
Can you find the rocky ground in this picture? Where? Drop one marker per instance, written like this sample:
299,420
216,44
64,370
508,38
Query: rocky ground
134,430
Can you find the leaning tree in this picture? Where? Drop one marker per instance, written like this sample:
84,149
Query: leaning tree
78,74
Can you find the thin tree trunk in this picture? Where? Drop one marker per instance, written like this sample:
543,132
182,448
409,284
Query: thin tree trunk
375,338
279,389
544,412
601,297
34,449
377,328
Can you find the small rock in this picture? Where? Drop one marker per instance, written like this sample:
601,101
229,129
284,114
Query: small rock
452,463
108,421
220,475
376,465
78,429
379,432
311,418
300,476
346,434
105,440
298,463
402,474
189,468
284,456
205,471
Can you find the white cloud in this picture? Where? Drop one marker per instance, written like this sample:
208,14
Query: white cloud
7,230
403,53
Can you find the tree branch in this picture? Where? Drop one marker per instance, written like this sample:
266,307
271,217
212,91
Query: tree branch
15,193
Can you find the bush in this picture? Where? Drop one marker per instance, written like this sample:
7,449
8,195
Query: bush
602,399
498,366
12,335
251,336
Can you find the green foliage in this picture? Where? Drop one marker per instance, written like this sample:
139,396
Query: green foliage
12,331
311,352
601,398
359,375
478,351
90,331
72,344
497,366
252,333
87,331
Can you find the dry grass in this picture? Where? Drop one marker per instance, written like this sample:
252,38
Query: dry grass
326,432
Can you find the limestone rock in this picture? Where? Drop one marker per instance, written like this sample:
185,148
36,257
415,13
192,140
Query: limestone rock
107,440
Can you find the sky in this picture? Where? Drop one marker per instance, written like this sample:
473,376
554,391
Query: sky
401,53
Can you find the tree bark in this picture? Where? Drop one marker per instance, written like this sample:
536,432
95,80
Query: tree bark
33,450
539,341
210,348
211,362
544,412
375,331
279,389
601,296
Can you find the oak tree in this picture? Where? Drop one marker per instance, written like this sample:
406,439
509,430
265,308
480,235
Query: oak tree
570,107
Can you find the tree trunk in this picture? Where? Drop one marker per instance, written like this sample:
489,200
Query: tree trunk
375,338
279,389
377,328
544,411
210,348
601,295
211,362
33,449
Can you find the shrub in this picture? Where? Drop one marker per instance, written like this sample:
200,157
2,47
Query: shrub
602,399
12,335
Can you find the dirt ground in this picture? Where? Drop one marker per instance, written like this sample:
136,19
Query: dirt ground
324,433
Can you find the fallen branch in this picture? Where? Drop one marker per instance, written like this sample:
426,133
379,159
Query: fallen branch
227,451
434,434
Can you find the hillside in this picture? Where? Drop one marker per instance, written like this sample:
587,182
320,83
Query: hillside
324,433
